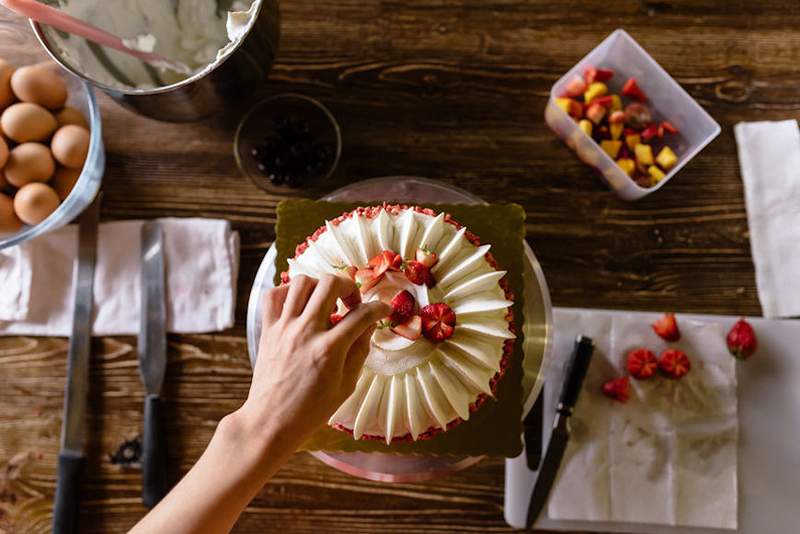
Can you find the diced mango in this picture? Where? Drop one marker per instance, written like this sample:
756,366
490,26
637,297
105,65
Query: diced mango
632,140
666,158
571,107
616,103
564,103
656,174
644,154
585,126
611,147
594,90
627,165
616,130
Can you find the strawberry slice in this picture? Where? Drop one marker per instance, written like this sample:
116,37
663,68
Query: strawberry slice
438,321
403,307
366,279
411,329
426,257
674,363
642,363
631,89
617,389
667,328
385,261
418,274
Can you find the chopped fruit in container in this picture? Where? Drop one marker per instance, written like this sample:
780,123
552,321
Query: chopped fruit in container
666,158
617,389
641,363
616,129
667,328
616,103
586,126
650,132
576,87
674,363
644,154
594,90
637,116
631,140
631,89
611,147
627,165
656,174
741,340
595,112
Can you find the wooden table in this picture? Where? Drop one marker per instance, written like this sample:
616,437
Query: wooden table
449,89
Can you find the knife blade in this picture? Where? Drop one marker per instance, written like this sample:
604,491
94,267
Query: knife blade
559,438
73,428
152,347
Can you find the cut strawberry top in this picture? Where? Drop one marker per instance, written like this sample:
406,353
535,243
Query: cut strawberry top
667,328
438,321
617,389
641,363
674,363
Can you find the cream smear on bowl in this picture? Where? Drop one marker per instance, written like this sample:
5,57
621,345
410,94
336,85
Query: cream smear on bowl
194,33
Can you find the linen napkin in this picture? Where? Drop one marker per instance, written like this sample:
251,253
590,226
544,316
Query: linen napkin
201,262
769,159
666,457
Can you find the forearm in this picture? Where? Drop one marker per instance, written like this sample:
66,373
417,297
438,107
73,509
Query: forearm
244,453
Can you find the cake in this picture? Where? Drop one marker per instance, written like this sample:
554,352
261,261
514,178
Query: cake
440,354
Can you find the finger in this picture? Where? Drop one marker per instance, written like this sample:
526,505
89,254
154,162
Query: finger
329,288
272,304
300,289
357,321
355,359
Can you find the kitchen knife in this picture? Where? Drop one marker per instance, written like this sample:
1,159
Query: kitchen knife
578,365
152,347
73,426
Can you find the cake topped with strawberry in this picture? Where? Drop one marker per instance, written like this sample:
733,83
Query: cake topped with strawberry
448,340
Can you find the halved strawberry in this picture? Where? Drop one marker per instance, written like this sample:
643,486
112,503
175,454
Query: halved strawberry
385,261
438,321
667,328
631,89
674,363
366,278
642,363
426,257
617,389
411,329
403,307
418,274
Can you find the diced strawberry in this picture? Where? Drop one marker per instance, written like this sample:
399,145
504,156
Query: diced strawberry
674,363
741,340
592,74
438,321
605,101
385,261
595,112
650,132
642,363
617,389
576,87
411,329
366,278
335,318
616,117
667,328
426,257
668,127
403,307
418,274
631,89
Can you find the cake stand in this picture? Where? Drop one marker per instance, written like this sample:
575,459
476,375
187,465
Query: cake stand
536,329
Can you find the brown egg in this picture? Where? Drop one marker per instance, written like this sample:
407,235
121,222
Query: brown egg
3,152
29,162
70,145
70,115
9,222
40,85
34,202
64,180
25,122
6,94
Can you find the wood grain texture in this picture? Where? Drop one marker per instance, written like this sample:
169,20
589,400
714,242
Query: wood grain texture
449,89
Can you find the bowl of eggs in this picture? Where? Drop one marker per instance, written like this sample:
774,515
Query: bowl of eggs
51,150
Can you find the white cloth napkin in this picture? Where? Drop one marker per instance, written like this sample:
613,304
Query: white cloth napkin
769,159
201,260
666,457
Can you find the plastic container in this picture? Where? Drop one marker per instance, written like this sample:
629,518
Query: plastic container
81,97
666,99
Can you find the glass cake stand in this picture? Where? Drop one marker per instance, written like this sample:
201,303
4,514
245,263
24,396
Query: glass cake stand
537,329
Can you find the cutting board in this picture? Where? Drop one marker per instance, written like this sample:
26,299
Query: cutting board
769,440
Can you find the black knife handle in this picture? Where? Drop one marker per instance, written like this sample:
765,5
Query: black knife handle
154,453
65,510
579,363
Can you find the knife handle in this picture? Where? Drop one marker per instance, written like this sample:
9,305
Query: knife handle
65,510
576,372
154,454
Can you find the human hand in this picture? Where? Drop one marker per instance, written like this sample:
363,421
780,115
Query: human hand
306,368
